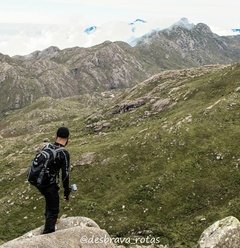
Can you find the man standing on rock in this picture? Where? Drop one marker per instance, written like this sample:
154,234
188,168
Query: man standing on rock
50,193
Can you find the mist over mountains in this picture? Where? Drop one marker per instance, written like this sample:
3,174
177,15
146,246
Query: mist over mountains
110,65
21,39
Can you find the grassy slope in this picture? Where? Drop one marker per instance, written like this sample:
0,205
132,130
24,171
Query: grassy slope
165,169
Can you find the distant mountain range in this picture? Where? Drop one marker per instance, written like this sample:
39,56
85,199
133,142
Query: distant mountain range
130,32
110,65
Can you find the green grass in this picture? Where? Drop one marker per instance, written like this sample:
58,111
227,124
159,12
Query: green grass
161,177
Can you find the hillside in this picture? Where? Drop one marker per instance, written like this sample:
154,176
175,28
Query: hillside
57,74
111,65
180,47
159,159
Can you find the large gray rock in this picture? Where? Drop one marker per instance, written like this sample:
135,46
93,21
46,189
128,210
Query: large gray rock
72,232
222,234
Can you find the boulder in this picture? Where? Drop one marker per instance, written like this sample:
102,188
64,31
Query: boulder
71,232
223,233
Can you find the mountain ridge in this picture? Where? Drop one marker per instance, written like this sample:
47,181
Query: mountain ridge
110,65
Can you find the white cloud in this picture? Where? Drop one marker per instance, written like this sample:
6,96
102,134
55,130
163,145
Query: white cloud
24,39
34,25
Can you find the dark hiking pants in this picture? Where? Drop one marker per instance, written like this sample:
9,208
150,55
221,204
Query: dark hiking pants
52,207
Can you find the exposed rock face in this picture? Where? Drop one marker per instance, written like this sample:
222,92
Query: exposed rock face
161,104
224,233
71,232
189,47
69,72
111,65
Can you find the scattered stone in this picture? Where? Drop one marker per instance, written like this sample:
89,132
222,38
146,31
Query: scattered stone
185,120
219,156
200,218
147,113
211,106
144,130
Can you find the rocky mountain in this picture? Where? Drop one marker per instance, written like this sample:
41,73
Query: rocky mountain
187,46
68,72
161,159
110,65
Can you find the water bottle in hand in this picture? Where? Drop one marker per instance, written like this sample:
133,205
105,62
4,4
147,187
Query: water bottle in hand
74,187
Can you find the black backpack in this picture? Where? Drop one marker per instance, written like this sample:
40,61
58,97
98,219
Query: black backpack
43,171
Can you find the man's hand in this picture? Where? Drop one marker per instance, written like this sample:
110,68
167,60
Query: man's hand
67,193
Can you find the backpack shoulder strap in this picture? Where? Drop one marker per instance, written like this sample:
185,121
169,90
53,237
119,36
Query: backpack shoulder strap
56,149
59,150
51,147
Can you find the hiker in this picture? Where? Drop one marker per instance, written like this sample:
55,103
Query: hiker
46,178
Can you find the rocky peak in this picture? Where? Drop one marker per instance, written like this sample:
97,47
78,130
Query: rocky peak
203,28
4,58
183,23
49,52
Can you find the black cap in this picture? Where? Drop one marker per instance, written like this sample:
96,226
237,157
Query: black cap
63,132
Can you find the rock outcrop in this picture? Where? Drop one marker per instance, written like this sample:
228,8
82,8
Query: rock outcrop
72,232
224,233
128,106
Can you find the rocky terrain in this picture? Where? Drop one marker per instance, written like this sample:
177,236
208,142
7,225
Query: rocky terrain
83,232
70,72
158,159
112,65
71,232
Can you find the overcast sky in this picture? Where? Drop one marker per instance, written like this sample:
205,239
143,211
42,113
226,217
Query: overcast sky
28,25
